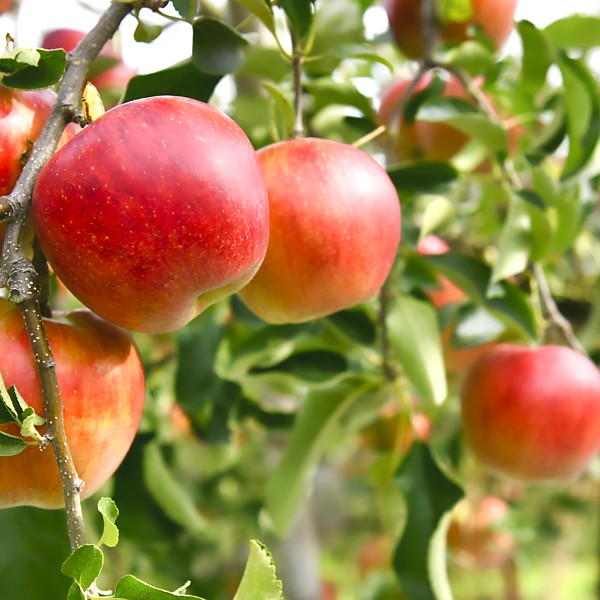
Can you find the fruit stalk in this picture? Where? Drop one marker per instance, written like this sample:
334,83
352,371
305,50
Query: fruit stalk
298,61
17,271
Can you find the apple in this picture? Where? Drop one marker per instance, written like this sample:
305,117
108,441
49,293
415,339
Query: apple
6,5
334,230
495,17
22,116
101,381
533,414
475,536
446,292
153,212
68,39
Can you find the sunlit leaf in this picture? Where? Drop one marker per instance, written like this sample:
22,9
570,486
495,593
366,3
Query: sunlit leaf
84,565
110,533
259,581
132,588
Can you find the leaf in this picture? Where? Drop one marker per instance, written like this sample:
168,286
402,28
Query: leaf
259,581
30,422
146,33
47,70
187,8
575,32
84,565
217,49
504,299
423,176
168,493
438,212
583,113
415,339
262,9
326,91
300,13
181,80
514,244
319,415
283,105
132,588
75,592
110,533
461,115
419,558
453,10
9,412
471,56
537,56
11,445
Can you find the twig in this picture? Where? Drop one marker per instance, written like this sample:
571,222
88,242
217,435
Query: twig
17,271
430,30
297,62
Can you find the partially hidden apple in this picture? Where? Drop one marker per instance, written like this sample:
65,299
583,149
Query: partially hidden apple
533,414
153,212
6,5
334,230
101,381
22,116
494,17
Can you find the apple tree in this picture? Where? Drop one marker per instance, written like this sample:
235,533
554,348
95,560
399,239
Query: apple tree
312,313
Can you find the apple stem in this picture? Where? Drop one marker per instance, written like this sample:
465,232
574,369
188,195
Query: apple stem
297,62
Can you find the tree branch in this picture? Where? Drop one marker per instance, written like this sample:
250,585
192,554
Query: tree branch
18,273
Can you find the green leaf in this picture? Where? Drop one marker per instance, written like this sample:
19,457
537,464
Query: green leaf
300,13
9,413
132,588
583,113
575,32
438,212
461,115
11,445
217,48
283,107
419,558
471,56
262,9
188,9
146,33
110,533
30,422
168,492
31,73
453,10
259,581
76,592
84,565
537,56
326,91
181,80
514,244
423,176
312,430
503,299
415,339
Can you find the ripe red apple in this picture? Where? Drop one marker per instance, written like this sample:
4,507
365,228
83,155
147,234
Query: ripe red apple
101,381
334,233
475,536
154,212
22,116
533,413
495,17
446,292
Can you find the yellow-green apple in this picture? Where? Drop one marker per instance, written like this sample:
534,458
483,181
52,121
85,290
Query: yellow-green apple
533,414
495,17
475,535
334,230
101,381
154,212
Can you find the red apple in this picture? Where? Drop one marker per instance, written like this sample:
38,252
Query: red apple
6,5
154,212
68,39
102,388
22,116
475,536
446,292
334,233
495,17
533,413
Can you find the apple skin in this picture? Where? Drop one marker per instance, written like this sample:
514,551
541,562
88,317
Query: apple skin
496,17
533,414
446,292
334,230
6,6
101,381
154,212
68,39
